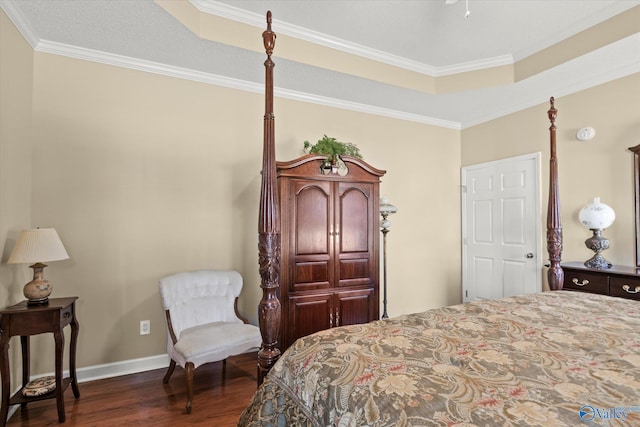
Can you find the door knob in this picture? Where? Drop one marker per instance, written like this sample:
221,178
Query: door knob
529,255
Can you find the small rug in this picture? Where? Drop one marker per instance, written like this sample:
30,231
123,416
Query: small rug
39,386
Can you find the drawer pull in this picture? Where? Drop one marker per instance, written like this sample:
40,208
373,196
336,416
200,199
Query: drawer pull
575,282
628,290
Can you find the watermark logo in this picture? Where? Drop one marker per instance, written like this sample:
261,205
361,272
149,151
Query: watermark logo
589,413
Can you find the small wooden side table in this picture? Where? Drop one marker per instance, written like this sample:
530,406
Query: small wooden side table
25,320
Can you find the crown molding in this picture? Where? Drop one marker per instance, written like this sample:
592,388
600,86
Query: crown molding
21,23
285,28
481,64
627,48
365,108
315,37
615,9
122,61
257,20
76,52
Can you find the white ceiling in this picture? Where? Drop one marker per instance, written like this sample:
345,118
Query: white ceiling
423,35
438,35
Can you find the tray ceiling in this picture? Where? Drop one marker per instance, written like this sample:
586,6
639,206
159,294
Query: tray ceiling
429,38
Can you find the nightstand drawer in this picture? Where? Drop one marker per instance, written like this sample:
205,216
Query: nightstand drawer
617,281
625,287
585,282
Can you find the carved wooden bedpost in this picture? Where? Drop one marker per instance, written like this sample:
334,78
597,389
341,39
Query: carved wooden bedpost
555,274
269,227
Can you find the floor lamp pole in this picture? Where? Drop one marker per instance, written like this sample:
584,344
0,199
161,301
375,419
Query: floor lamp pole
386,209
384,270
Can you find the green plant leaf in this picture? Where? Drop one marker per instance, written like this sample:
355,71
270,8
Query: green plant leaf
331,147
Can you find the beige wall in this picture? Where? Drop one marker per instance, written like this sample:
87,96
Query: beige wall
145,175
16,64
601,167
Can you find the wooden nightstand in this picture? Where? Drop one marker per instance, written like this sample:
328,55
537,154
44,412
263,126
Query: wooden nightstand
25,320
618,281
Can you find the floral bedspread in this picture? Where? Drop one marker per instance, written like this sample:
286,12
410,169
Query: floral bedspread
551,359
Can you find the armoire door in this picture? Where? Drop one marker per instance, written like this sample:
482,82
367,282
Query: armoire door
355,231
311,235
354,307
308,314
315,312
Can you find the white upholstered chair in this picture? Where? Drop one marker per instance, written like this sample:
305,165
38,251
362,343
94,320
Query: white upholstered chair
203,323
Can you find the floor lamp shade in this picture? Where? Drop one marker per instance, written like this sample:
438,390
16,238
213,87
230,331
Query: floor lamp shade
38,245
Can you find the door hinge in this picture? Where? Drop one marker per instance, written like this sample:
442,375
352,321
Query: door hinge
463,188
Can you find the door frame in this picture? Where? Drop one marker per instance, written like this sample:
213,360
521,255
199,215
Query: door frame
537,215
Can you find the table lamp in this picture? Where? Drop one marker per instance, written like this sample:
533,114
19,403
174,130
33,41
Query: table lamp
596,217
38,245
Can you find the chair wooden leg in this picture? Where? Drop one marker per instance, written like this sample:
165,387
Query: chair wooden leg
189,377
172,367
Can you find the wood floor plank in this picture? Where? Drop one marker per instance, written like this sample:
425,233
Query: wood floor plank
143,400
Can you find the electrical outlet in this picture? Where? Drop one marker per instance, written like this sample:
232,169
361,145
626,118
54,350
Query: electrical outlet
145,327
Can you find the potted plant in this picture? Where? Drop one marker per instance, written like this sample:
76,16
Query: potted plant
332,148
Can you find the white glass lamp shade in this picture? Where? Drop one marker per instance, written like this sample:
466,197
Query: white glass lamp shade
386,208
596,215
38,245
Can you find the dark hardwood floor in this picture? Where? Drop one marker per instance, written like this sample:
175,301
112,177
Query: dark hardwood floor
143,400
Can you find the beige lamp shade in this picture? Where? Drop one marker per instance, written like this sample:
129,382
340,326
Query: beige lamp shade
38,245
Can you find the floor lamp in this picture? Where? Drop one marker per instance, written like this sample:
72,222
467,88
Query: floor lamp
386,209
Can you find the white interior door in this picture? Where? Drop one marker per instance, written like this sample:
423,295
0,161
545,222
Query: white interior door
501,251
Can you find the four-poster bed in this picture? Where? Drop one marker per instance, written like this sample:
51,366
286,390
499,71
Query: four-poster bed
549,359
269,226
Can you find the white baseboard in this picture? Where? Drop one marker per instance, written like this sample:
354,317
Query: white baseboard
116,369
125,367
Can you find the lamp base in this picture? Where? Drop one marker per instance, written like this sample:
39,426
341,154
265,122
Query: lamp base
38,290
598,262
597,243
43,301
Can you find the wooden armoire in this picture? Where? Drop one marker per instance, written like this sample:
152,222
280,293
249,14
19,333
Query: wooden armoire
329,262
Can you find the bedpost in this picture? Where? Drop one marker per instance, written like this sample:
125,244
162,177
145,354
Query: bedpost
269,227
555,274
